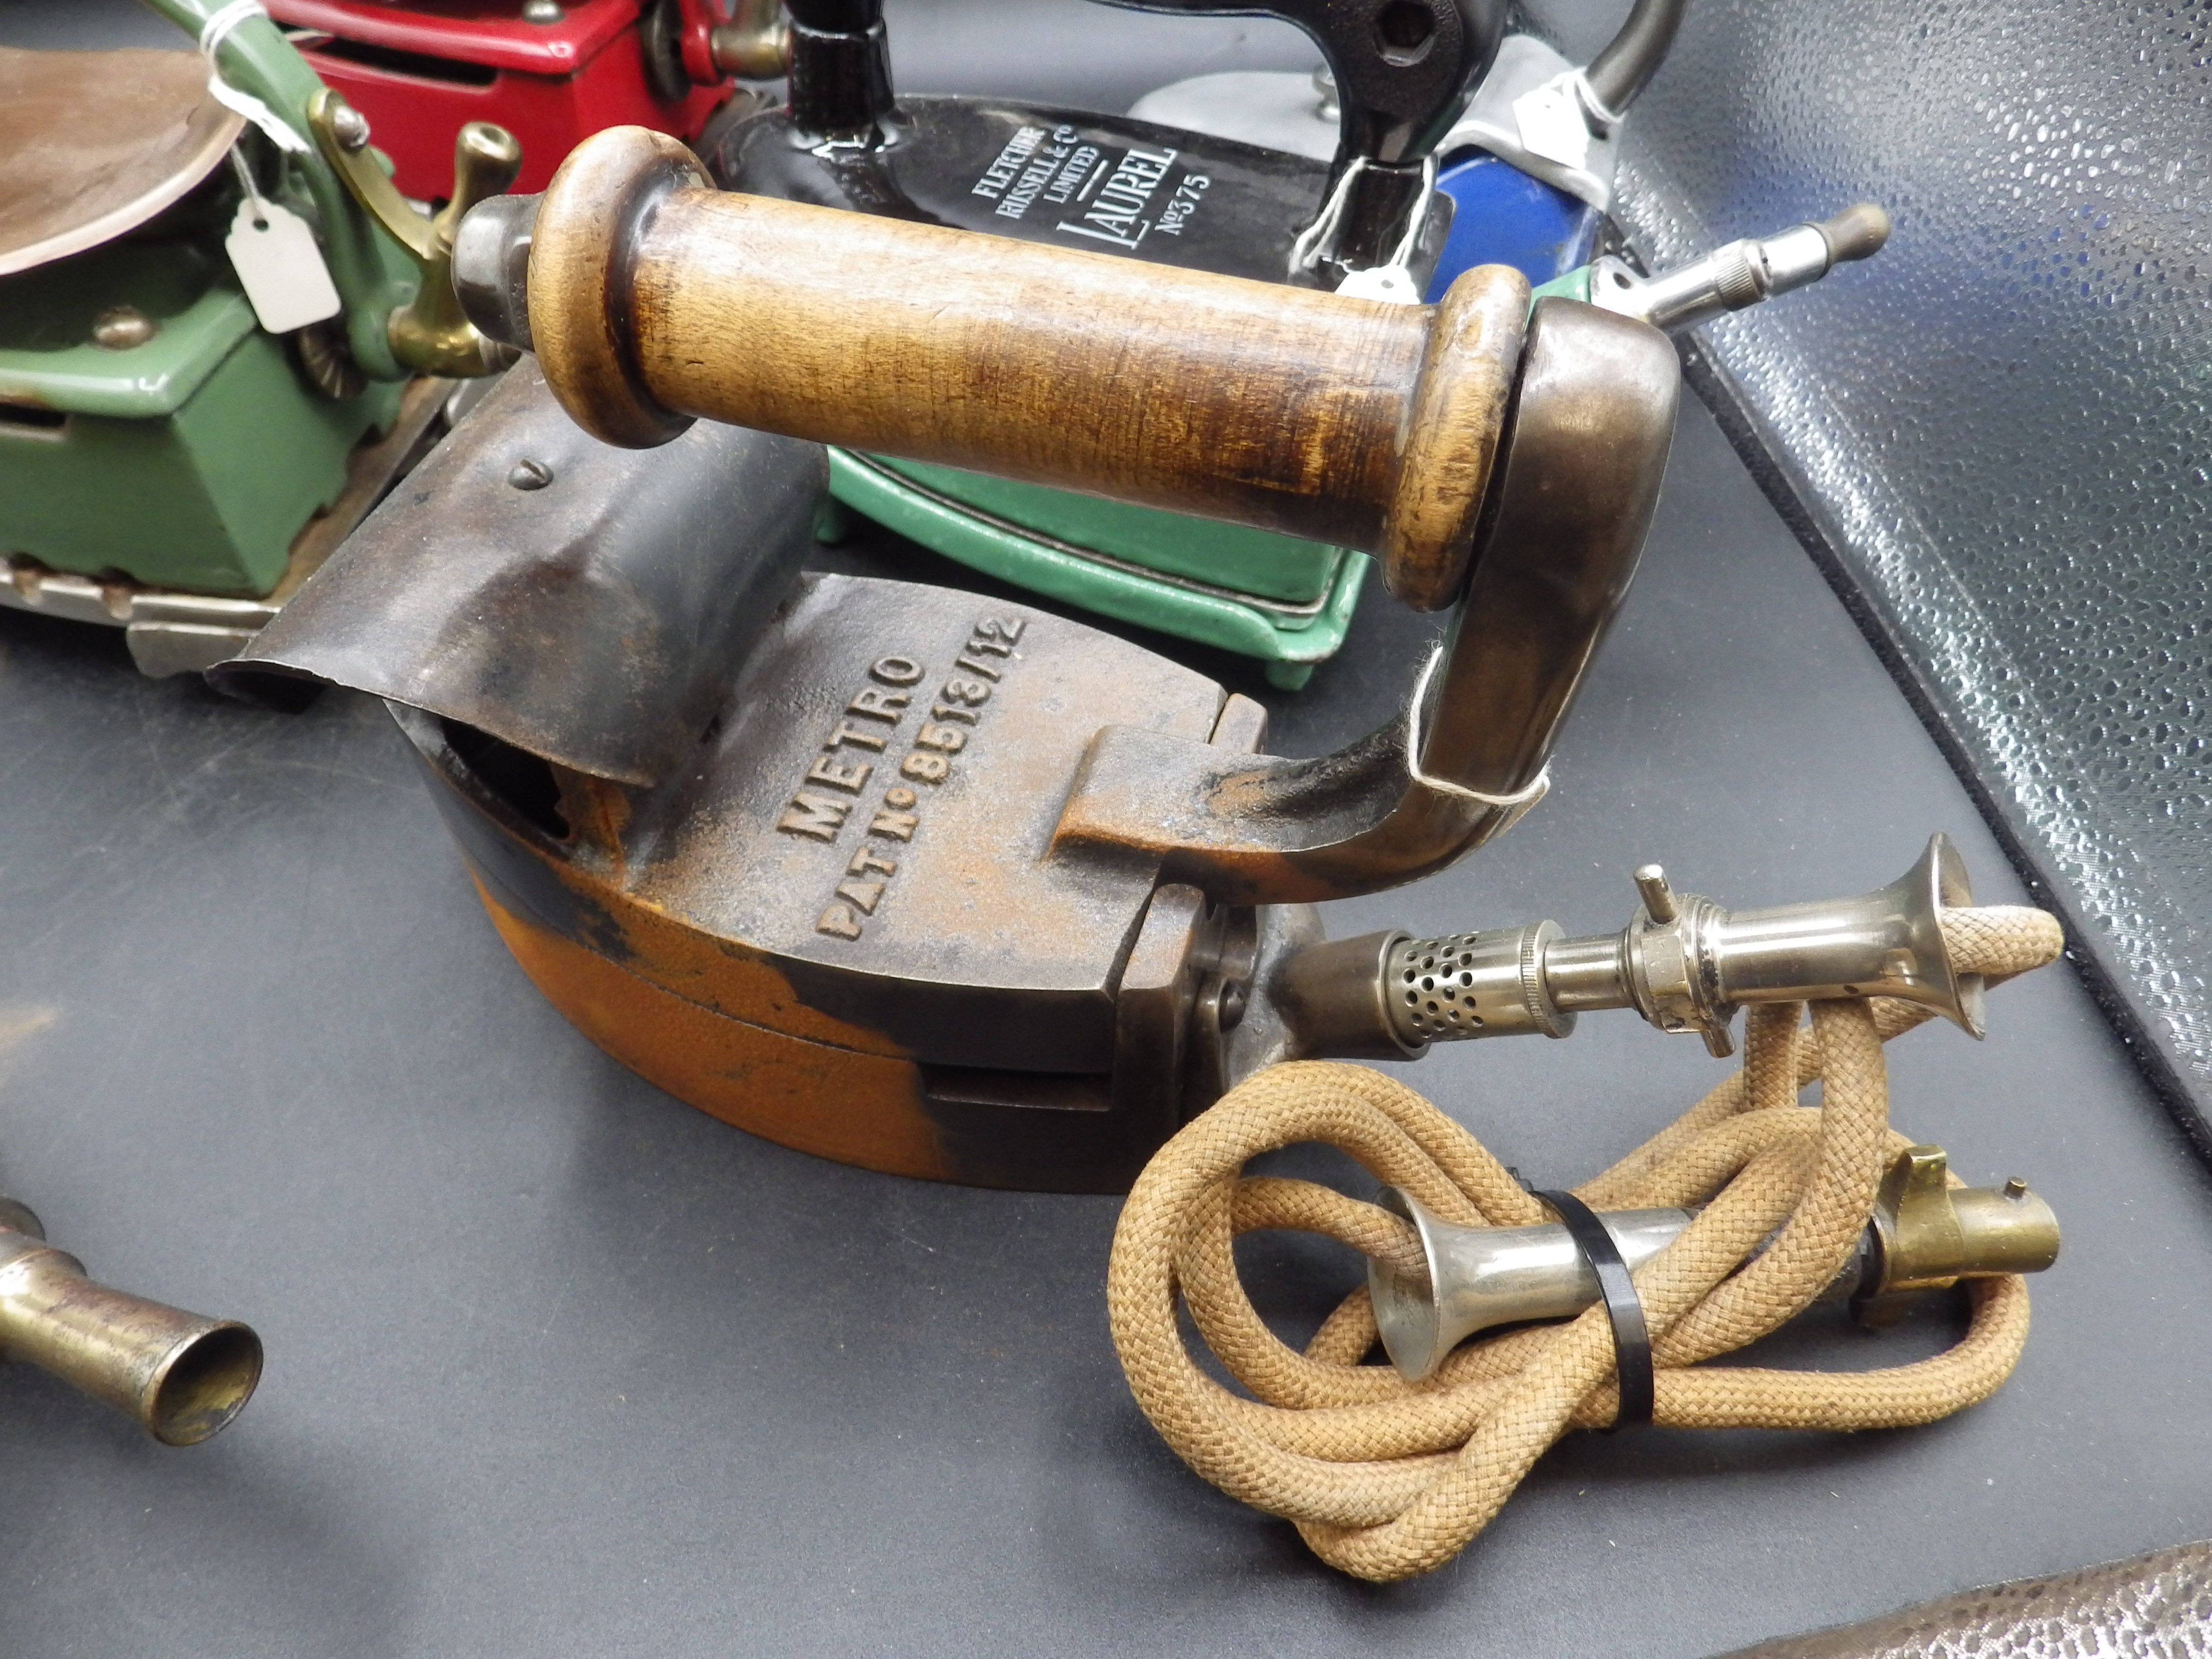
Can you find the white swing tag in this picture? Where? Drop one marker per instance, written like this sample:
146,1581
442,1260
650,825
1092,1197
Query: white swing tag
1392,284
273,250
1551,122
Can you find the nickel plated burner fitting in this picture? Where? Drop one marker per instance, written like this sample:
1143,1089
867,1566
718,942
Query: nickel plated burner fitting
1741,274
1683,962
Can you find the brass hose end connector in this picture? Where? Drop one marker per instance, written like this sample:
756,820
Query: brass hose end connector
1927,1235
181,1375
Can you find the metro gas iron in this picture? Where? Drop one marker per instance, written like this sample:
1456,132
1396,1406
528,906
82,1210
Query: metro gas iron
1365,220
205,327
944,886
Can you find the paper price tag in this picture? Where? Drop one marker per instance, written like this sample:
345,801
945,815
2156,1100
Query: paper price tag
279,266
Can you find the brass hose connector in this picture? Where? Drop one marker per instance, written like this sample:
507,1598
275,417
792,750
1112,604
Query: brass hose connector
755,45
182,1377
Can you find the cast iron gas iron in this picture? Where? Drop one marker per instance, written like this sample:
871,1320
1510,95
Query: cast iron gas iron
1527,167
1110,183
219,341
1140,190
1529,170
934,884
1364,212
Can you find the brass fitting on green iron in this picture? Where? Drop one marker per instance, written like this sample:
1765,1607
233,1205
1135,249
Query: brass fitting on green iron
428,334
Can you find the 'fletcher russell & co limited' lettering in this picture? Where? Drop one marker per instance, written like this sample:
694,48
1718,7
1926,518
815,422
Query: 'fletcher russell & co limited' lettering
1054,170
1001,172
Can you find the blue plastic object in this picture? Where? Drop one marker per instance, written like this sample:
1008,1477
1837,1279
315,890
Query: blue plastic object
1501,216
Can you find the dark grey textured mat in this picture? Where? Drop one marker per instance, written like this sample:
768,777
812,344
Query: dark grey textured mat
560,1366
2150,1606
2002,430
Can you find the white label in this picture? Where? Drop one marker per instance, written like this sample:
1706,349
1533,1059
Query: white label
1552,123
280,267
1392,284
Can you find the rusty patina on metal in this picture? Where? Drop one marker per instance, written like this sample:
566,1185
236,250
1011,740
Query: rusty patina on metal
533,583
848,931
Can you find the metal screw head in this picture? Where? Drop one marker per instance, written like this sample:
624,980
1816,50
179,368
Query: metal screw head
2016,1188
350,126
120,328
530,475
1324,86
542,11
1234,1001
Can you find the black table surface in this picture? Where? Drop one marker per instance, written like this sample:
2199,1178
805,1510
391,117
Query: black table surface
559,1365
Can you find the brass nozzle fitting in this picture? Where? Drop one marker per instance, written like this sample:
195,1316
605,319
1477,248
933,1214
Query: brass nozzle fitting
430,334
181,1375
755,45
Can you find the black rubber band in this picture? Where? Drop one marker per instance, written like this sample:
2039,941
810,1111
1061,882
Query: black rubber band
1631,1338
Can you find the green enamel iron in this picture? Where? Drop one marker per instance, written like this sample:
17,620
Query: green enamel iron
213,360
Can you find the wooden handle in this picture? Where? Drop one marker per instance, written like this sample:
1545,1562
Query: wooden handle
654,298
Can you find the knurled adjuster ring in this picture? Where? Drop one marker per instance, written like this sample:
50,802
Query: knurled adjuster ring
1632,1337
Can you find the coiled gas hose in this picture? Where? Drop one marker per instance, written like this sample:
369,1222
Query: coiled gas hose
1386,1480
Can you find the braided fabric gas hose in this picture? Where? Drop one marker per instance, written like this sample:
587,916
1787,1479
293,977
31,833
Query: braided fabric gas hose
1386,1480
